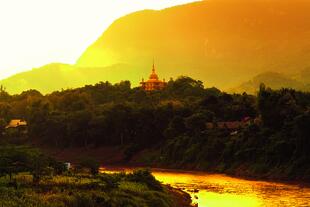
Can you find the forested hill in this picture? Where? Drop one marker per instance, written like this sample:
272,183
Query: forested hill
182,125
222,42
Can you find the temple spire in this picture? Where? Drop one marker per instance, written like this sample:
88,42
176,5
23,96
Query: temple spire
153,70
153,83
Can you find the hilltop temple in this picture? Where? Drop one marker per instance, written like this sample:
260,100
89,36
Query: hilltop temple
153,83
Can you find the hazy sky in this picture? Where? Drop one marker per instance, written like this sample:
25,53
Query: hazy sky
37,32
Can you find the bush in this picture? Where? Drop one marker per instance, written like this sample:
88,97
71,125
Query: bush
91,164
145,176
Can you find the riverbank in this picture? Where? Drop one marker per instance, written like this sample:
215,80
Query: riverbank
114,157
218,190
137,189
180,198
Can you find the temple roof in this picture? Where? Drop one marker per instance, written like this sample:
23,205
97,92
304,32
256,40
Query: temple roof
153,75
153,83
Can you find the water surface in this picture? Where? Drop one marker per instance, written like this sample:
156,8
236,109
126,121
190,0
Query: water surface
217,190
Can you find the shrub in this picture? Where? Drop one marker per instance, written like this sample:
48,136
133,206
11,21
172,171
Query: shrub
145,176
91,164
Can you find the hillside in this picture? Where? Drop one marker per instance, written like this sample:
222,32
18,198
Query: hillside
221,42
273,80
57,76
184,126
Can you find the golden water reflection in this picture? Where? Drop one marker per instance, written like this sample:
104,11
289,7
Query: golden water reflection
216,190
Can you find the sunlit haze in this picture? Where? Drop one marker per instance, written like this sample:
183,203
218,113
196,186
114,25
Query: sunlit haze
38,32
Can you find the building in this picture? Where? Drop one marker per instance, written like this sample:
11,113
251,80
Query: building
153,83
16,127
15,123
230,125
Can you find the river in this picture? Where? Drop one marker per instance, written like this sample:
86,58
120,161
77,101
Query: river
217,190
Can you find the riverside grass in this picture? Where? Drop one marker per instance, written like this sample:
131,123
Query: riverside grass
83,190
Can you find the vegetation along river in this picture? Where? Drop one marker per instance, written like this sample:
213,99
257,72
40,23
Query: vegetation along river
217,190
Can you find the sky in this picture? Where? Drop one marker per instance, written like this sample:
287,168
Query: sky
37,32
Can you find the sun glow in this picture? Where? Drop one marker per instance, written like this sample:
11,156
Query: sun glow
38,32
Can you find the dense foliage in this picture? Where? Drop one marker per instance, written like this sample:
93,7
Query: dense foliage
81,190
29,178
274,145
18,159
173,122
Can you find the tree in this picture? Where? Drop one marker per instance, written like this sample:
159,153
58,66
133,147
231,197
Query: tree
39,166
15,159
277,107
37,115
91,164
196,123
4,95
302,132
78,127
5,111
176,127
3,124
185,87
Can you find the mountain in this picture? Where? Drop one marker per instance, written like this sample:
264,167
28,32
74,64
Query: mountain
58,76
221,42
299,80
273,80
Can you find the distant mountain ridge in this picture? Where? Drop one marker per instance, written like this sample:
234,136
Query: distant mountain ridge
221,42
273,80
57,76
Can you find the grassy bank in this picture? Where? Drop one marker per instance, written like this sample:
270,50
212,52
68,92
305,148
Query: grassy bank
138,189
31,178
